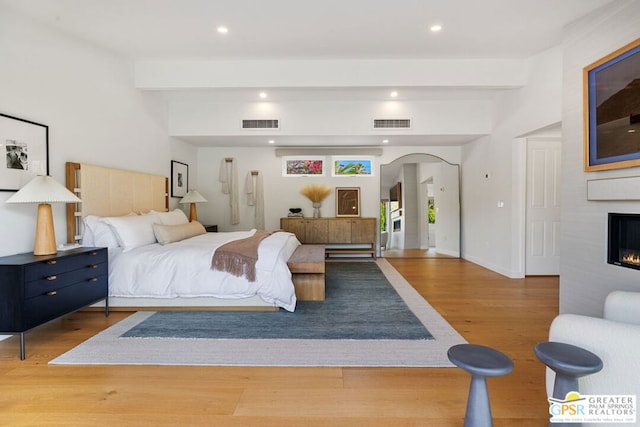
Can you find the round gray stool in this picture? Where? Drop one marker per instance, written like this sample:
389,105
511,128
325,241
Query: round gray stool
569,363
480,362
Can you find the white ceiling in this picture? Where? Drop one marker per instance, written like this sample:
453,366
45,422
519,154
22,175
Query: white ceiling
313,29
328,29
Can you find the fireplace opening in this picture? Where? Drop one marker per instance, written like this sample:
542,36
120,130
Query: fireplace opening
623,247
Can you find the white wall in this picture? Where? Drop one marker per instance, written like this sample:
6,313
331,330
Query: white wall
86,97
330,118
585,276
489,175
282,193
329,73
446,194
410,211
184,153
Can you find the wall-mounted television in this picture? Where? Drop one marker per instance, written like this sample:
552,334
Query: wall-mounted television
395,194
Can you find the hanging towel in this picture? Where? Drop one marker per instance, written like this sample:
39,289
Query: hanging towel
251,195
255,197
229,179
224,176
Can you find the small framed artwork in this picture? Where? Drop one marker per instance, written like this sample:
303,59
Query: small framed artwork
26,147
612,110
307,166
347,201
352,166
179,179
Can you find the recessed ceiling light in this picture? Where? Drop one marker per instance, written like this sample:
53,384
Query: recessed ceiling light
394,94
222,29
263,95
271,141
385,141
436,28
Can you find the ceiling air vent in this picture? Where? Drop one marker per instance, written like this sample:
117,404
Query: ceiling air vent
261,124
392,123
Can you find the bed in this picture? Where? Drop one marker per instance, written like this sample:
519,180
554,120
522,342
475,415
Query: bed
157,259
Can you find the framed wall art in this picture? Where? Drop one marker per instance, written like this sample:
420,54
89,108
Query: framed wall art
25,145
179,179
347,201
303,166
352,166
612,110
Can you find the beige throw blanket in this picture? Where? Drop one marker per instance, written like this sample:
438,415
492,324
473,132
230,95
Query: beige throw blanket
239,257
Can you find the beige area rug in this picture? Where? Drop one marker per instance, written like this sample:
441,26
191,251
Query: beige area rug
109,348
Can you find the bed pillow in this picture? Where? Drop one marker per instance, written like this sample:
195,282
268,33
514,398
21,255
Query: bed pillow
97,233
174,217
87,235
133,231
174,233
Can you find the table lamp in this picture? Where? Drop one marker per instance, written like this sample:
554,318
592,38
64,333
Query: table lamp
44,190
193,197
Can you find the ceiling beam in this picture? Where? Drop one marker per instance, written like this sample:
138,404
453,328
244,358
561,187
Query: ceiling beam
366,73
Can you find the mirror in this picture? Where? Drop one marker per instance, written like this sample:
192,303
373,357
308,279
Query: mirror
425,218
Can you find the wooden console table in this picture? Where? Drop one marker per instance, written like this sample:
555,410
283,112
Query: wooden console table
348,235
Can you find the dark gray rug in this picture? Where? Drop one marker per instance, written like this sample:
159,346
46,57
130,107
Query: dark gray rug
360,304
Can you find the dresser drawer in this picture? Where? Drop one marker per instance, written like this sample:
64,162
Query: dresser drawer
55,266
35,289
57,281
47,307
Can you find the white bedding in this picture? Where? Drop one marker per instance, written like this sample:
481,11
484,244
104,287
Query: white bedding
183,269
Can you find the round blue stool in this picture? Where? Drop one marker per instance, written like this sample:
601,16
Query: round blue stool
569,363
480,362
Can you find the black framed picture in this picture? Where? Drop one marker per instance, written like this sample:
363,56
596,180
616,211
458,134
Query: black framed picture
179,179
612,110
25,145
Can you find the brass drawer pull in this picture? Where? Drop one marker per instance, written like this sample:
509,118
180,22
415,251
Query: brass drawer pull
52,293
93,279
94,253
52,278
52,262
93,266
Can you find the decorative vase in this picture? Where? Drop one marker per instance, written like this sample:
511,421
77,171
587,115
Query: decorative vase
316,209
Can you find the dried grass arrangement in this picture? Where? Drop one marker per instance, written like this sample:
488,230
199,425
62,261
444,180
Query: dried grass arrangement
316,192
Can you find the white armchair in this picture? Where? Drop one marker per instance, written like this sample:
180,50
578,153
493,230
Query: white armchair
614,338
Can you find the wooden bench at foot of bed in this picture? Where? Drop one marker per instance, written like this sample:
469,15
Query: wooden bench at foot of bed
307,271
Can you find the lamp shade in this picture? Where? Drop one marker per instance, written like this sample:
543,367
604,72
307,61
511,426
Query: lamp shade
43,189
192,197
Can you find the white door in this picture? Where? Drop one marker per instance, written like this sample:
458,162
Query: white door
543,207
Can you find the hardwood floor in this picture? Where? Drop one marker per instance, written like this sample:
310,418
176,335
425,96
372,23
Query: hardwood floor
486,308
413,253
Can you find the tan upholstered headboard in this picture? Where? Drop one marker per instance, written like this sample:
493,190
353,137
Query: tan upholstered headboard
111,192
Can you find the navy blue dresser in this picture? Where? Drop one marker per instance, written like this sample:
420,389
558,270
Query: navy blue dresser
37,289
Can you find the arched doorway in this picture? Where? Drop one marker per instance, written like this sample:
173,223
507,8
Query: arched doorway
420,207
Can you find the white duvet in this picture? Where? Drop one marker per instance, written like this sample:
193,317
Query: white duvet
183,269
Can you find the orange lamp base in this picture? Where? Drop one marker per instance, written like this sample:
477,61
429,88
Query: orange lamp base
45,242
193,213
